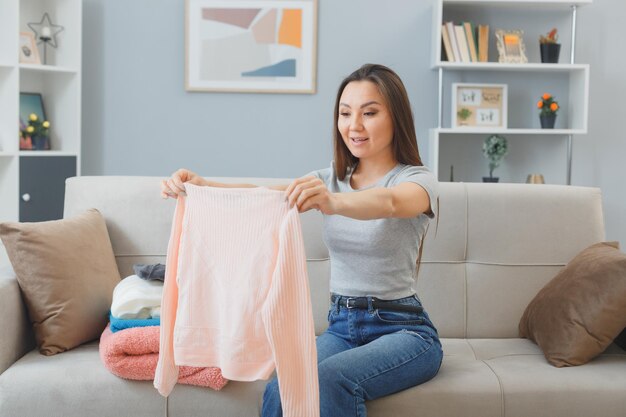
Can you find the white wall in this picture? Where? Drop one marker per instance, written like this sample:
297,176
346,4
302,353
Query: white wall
138,119
600,157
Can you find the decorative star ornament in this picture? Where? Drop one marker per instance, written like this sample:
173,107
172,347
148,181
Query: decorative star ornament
38,28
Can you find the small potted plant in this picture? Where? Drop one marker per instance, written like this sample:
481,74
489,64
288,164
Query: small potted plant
38,131
549,47
495,148
463,115
548,107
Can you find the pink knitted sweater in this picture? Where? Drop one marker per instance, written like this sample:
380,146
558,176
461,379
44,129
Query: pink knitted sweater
236,294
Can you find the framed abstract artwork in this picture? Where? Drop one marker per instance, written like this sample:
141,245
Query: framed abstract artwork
251,46
479,105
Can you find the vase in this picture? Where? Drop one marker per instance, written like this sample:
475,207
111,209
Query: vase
40,143
547,120
490,179
535,179
550,52
26,143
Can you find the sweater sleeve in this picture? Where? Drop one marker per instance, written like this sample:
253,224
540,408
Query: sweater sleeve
166,374
288,319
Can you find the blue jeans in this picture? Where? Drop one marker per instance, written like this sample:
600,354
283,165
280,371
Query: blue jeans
367,354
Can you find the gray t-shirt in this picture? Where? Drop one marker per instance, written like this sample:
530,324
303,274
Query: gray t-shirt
376,257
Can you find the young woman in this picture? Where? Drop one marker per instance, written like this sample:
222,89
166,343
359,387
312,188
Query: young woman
377,199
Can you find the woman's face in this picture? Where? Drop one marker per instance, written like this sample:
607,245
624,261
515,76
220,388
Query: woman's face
364,120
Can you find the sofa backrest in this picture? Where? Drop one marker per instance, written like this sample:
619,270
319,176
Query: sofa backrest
495,247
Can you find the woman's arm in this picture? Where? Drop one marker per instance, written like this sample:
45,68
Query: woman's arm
402,201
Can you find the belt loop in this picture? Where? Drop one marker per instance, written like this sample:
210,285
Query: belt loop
337,303
370,305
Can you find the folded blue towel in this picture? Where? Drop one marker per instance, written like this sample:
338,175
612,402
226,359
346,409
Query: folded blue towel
118,324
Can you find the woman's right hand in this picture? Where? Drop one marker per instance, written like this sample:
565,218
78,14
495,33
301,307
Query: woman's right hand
175,185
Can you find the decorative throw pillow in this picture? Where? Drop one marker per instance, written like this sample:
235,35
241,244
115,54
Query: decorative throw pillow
582,309
66,271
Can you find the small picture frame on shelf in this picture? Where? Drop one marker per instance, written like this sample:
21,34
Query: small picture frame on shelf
511,48
479,106
38,138
29,53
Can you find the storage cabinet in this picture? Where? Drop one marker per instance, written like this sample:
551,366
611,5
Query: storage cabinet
42,186
39,173
531,149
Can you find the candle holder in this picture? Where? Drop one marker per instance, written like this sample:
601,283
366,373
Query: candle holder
46,32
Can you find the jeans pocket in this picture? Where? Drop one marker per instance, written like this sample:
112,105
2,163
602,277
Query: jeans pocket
399,317
331,314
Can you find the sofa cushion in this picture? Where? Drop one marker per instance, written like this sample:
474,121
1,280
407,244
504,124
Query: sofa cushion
532,387
582,309
74,383
464,386
66,271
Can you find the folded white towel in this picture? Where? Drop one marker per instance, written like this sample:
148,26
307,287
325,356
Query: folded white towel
136,298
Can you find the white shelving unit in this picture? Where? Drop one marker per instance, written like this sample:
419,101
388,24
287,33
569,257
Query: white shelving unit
59,83
457,146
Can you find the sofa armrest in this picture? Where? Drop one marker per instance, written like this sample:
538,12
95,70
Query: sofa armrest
17,336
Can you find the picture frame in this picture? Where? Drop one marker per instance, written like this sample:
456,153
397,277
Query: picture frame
511,47
28,50
32,103
479,106
262,46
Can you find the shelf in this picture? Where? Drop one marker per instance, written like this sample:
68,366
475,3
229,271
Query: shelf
520,3
48,69
47,153
483,131
59,84
495,66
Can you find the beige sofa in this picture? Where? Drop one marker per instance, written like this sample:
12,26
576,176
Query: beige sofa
494,249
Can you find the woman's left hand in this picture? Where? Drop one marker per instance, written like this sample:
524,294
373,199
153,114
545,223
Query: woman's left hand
311,193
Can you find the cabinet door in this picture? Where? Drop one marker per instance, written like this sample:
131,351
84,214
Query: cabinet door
42,186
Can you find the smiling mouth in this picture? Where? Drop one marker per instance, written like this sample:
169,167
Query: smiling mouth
358,140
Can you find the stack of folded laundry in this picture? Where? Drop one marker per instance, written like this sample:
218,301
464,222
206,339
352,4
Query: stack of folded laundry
129,346
137,298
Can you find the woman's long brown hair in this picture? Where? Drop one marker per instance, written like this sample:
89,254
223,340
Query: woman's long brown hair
392,89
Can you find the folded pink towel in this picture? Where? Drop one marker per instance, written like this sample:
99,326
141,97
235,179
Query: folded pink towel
133,354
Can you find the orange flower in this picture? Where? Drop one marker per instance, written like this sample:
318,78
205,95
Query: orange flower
546,96
540,104
554,107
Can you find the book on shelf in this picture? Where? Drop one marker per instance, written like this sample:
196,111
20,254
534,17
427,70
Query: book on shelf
447,47
462,43
465,42
483,43
471,40
453,41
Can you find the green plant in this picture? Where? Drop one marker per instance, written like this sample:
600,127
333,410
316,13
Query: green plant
551,37
35,127
547,105
464,113
495,148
